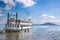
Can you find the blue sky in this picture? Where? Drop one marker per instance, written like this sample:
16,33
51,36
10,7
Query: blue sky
40,11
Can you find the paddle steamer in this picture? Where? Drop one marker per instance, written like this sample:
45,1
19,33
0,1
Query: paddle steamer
15,24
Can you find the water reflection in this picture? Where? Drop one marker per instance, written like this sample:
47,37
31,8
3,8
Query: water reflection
18,35
12,36
51,33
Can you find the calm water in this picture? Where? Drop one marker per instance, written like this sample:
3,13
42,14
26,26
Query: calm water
36,33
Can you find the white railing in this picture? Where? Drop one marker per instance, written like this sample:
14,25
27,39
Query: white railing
25,23
13,28
16,28
27,27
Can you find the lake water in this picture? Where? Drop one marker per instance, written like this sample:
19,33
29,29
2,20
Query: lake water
36,33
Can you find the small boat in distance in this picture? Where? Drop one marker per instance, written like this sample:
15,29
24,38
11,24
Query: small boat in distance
13,24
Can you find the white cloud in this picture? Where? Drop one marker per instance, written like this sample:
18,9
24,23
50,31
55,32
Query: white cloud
44,15
2,20
36,21
0,11
8,7
57,20
46,18
10,2
1,14
52,17
27,3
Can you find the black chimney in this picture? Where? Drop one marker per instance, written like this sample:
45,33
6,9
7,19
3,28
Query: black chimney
16,16
8,18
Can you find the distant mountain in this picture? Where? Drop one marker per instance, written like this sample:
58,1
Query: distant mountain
44,24
48,24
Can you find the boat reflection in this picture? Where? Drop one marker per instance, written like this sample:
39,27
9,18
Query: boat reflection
23,35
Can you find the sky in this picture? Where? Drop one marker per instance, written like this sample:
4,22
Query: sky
39,11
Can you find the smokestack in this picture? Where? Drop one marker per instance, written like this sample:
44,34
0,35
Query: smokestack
8,18
16,16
